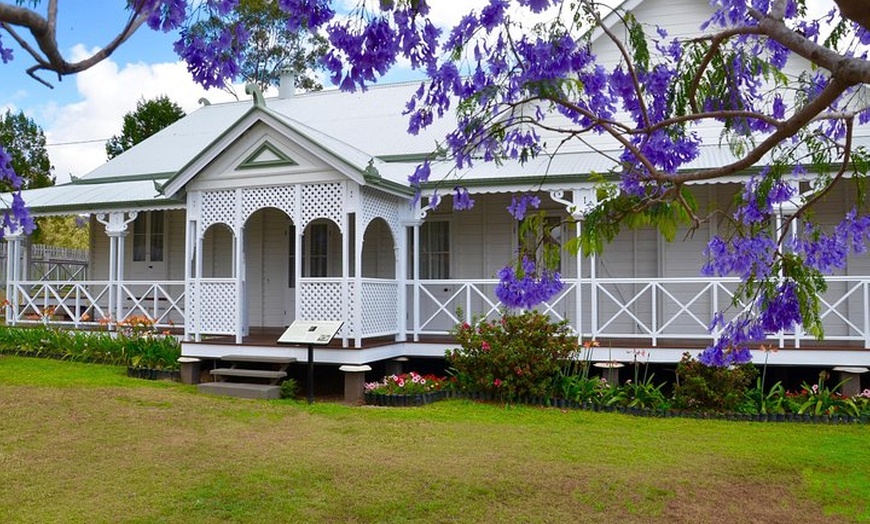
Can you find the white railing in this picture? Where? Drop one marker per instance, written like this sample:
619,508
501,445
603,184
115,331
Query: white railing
651,309
327,299
96,302
51,263
380,307
215,302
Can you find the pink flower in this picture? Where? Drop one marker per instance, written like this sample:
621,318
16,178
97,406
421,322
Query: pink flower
496,382
484,346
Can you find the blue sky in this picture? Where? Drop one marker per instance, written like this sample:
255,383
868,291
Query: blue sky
91,27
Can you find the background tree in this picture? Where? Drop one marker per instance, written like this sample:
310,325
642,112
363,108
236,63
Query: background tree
25,143
149,117
271,48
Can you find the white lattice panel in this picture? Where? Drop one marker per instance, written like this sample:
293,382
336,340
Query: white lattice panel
323,301
323,201
218,307
191,314
381,312
379,205
218,207
279,197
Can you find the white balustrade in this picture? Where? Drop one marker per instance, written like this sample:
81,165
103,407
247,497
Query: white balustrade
88,303
651,309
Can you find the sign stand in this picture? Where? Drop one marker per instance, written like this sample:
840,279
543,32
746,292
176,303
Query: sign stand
311,333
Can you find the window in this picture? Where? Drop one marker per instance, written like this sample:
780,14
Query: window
148,237
318,249
435,250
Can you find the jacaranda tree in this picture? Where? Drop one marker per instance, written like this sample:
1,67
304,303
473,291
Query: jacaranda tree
515,69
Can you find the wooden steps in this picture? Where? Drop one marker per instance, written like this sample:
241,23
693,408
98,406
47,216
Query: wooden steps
248,373
248,377
241,390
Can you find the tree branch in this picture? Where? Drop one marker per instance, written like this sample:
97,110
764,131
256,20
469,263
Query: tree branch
43,30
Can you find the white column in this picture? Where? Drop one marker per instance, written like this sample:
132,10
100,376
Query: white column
119,302
415,262
197,298
358,235
116,224
402,283
189,250
239,268
13,239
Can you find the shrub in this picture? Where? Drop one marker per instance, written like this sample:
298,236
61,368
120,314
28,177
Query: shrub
515,356
641,394
289,388
702,387
821,400
130,347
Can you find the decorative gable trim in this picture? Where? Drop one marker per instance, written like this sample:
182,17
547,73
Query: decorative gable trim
266,155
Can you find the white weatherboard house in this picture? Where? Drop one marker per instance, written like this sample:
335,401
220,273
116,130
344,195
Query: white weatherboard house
243,217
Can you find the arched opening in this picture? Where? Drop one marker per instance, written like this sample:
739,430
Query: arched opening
217,252
269,281
378,251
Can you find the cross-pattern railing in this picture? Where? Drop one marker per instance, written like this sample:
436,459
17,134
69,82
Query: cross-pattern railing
653,309
95,302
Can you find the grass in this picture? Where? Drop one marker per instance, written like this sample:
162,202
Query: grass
84,443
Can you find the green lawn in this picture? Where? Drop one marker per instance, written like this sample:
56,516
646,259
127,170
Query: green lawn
83,443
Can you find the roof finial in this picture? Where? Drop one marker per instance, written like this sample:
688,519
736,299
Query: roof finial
203,101
253,89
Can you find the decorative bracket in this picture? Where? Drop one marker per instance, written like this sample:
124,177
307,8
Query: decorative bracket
116,223
583,200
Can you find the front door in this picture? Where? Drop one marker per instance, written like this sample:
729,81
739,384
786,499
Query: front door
149,247
267,239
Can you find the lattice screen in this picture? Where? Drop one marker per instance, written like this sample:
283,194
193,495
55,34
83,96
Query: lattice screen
380,316
218,207
323,301
279,197
376,204
190,313
218,301
323,201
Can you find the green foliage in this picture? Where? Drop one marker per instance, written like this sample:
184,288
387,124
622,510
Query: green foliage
772,402
605,221
25,143
641,394
581,389
130,346
61,231
271,47
289,388
820,400
149,117
708,388
513,357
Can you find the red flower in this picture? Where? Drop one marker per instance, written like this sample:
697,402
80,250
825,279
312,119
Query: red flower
496,382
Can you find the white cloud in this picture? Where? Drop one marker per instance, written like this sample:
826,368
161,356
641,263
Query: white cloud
108,91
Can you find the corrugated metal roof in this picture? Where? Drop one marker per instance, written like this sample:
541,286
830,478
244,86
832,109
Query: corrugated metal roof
358,128
76,197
